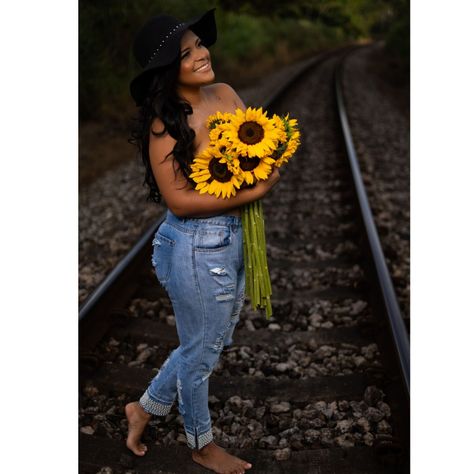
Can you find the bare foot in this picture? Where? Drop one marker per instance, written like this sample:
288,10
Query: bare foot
137,420
216,458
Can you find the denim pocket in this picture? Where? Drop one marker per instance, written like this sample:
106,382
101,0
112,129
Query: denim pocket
161,258
212,238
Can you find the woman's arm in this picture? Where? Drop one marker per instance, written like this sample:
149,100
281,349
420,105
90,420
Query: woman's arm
193,204
179,195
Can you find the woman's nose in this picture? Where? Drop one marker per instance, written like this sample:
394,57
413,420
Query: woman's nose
202,53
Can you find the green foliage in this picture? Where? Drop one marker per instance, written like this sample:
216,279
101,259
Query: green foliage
242,36
398,37
253,37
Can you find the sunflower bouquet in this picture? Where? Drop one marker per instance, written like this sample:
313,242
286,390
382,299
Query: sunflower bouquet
243,149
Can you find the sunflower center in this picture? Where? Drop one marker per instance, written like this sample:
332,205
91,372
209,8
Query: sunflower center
251,133
248,164
219,171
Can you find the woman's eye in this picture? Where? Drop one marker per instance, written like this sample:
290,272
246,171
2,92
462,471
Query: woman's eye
199,44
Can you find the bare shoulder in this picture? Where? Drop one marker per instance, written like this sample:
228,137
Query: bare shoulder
226,93
224,88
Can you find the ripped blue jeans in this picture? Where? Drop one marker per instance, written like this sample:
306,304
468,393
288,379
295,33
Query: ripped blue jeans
199,262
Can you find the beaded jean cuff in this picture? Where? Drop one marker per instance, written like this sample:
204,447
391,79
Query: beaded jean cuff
152,406
198,442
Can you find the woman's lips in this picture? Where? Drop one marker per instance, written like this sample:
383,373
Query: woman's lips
204,68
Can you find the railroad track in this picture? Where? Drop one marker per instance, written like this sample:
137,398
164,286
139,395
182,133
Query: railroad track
321,387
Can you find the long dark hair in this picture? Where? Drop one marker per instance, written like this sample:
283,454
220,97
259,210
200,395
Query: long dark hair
162,101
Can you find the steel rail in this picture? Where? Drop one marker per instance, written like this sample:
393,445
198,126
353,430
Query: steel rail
109,281
392,309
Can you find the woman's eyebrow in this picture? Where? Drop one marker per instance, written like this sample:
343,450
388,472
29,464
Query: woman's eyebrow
185,49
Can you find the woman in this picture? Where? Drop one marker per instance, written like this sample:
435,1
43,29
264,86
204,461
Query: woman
197,250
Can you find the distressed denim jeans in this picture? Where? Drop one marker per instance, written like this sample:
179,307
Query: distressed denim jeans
199,262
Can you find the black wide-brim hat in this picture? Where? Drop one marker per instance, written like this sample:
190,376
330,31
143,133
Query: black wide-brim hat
157,44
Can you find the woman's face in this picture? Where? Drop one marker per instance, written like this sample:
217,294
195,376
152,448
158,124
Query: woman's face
195,67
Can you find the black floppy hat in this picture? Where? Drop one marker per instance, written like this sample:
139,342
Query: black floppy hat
157,44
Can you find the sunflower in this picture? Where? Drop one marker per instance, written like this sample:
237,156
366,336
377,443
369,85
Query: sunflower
216,119
216,134
254,168
286,146
251,132
213,173
280,126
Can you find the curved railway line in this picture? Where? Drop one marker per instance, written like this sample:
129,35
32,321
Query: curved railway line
323,387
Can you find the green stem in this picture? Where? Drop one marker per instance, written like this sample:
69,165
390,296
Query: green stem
257,279
255,255
248,262
264,250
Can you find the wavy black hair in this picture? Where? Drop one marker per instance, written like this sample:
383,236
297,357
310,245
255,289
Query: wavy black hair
162,101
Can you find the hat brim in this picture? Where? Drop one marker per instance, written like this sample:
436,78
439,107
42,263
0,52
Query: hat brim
203,26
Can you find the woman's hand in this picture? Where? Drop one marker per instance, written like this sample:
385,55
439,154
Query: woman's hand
266,185
274,177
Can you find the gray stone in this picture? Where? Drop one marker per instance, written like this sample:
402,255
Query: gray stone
357,307
324,351
369,351
282,454
344,441
105,470
327,324
344,426
247,403
235,428
283,443
364,424
384,408
368,439
88,430
311,435
274,327
372,414
255,429
317,423
315,319
372,395
384,427
236,401
249,325
268,441
144,355
281,407
359,361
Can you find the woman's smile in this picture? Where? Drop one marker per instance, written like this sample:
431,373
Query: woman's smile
205,67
